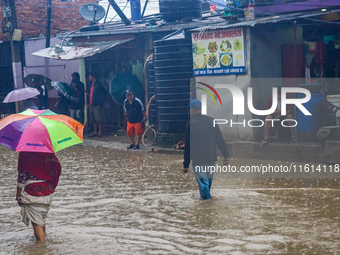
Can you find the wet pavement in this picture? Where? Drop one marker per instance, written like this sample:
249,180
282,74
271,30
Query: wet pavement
113,201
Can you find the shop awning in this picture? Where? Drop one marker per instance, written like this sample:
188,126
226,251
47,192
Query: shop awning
78,50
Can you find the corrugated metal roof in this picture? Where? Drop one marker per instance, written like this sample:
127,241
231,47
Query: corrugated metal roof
143,26
271,19
80,50
119,29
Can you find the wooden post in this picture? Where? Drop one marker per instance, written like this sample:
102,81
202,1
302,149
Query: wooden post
81,65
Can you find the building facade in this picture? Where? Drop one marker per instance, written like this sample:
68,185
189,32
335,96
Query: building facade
32,20
31,17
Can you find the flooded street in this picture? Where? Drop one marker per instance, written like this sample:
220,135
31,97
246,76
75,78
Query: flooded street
122,202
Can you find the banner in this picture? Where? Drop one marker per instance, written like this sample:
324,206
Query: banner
218,52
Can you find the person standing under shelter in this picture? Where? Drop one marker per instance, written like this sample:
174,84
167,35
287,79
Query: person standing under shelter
77,105
43,96
96,102
76,77
63,104
201,138
134,112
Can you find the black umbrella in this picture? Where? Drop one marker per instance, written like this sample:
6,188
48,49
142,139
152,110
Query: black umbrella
31,78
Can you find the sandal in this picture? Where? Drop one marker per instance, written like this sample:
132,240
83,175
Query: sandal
265,141
92,135
294,140
131,146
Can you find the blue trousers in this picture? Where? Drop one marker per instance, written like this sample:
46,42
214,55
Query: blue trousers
204,180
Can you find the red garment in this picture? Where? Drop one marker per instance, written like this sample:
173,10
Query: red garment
44,166
91,93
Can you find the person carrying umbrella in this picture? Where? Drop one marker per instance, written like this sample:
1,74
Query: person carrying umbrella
77,105
38,135
63,104
38,176
43,97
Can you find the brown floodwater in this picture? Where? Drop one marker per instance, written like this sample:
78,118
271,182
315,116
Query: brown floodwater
127,202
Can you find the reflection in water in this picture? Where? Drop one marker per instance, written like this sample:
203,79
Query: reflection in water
111,202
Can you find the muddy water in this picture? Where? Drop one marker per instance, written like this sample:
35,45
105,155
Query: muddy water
122,202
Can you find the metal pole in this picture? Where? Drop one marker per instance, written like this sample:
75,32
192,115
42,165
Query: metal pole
119,12
48,35
146,3
107,12
48,23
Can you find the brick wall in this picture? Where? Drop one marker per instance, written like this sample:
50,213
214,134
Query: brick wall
31,16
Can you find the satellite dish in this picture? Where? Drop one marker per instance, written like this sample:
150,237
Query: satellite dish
92,12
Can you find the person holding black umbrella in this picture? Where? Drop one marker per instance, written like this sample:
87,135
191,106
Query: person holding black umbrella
43,97
77,105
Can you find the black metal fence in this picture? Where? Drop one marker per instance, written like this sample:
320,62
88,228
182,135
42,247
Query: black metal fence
6,109
6,80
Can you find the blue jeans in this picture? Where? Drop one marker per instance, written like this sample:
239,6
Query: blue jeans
204,180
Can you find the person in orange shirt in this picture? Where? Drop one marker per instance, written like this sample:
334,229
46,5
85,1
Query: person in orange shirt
135,113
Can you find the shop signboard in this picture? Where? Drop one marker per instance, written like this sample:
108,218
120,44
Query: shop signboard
218,52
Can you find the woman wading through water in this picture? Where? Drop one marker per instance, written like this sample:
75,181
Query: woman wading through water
38,176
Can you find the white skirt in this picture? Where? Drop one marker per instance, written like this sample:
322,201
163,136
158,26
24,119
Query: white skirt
35,209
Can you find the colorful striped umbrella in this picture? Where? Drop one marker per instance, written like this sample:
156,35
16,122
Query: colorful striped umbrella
40,131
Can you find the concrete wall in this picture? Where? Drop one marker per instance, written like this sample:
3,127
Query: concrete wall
56,70
266,61
242,81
